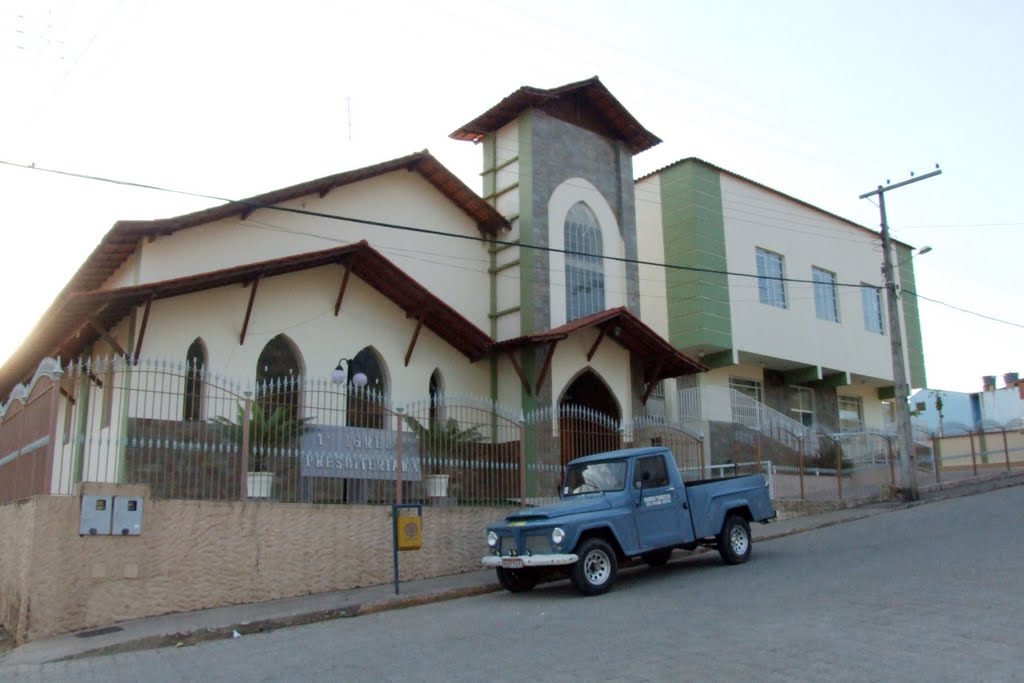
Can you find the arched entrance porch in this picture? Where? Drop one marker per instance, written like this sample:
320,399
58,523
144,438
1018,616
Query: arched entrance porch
589,418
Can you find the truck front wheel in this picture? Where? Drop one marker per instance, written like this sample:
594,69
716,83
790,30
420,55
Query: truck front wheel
518,580
734,541
595,571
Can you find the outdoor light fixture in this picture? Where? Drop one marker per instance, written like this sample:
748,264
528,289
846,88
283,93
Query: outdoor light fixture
339,374
920,252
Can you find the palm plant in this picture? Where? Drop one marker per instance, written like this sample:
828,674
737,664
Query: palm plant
439,439
276,428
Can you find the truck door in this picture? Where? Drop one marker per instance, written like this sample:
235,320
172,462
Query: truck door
661,517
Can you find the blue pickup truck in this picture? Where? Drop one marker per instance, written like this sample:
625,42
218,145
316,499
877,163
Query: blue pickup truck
622,505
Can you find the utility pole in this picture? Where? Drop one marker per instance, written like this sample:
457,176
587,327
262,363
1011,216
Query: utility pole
904,436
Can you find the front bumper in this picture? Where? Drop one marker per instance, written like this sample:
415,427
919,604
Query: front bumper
526,561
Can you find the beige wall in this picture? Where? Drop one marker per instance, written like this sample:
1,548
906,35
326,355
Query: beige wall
610,363
17,521
301,306
651,246
955,451
563,198
454,269
756,218
200,554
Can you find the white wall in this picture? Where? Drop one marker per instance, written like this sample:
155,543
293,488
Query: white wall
806,238
1002,405
454,269
562,199
651,247
508,205
610,362
301,305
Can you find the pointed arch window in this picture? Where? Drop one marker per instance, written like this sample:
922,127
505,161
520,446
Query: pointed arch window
195,362
436,390
366,404
584,265
278,373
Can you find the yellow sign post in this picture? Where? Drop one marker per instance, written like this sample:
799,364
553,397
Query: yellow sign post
406,530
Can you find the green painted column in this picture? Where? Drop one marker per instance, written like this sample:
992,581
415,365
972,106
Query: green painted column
694,235
911,318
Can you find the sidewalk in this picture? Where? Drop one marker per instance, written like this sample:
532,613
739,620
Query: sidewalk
189,628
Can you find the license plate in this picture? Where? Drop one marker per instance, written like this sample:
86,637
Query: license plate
511,563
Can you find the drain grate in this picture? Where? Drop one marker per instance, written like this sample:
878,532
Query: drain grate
98,632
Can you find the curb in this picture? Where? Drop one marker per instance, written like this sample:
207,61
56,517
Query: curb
190,638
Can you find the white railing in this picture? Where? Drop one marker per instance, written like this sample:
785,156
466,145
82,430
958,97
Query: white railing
729,405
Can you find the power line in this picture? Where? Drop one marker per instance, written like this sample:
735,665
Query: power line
479,239
962,225
963,310
408,228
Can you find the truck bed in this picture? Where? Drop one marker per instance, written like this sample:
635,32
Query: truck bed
712,496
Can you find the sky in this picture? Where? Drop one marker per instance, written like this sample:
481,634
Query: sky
822,101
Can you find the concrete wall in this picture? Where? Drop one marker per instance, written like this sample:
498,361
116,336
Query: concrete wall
454,269
198,554
651,248
756,218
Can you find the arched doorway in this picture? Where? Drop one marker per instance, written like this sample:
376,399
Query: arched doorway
588,417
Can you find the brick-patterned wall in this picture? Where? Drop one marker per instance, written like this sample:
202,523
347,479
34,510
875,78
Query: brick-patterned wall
200,554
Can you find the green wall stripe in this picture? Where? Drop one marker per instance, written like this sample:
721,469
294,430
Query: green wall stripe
694,235
911,317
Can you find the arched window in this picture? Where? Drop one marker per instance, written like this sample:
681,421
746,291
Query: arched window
195,362
278,371
366,404
584,267
436,389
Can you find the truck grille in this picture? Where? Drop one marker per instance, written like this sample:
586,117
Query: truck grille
537,544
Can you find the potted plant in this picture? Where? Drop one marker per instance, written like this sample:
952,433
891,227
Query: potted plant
438,440
276,428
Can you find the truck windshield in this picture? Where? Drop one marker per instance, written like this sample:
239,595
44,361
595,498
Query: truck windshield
595,477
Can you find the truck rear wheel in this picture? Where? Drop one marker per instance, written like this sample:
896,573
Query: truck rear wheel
518,580
734,541
595,571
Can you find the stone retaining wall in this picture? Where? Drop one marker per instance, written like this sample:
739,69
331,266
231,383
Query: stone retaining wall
196,554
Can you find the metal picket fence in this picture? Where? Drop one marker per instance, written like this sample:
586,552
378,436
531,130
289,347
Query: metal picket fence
188,433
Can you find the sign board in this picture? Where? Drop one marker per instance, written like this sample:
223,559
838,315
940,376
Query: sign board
358,453
410,531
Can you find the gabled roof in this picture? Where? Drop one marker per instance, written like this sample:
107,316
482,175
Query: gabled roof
590,92
118,244
659,358
737,176
67,329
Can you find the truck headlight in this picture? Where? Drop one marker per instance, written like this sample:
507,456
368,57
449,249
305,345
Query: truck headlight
557,535
492,539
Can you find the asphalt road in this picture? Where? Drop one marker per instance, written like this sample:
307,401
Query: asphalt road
932,592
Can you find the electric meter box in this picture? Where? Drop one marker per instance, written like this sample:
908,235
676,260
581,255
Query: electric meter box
127,516
97,512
